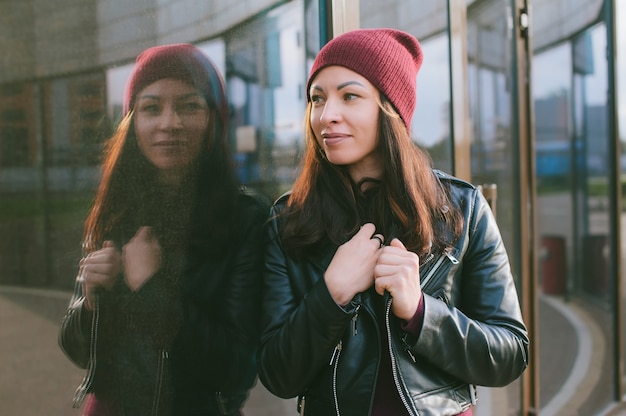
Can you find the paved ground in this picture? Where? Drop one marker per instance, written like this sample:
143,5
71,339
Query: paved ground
38,380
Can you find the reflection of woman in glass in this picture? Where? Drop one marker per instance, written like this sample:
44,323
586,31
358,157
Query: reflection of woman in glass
163,317
388,290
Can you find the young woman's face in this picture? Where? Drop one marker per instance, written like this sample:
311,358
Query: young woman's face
171,120
344,118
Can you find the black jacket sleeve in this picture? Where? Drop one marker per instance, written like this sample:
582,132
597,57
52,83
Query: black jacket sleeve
301,323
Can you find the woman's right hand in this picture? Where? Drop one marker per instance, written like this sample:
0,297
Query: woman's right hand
99,269
352,268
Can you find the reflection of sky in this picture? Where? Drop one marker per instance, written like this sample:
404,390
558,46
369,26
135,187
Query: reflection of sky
620,14
289,97
597,83
430,122
552,73
116,80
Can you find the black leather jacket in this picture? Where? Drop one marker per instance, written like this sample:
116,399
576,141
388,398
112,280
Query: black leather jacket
472,334
209,367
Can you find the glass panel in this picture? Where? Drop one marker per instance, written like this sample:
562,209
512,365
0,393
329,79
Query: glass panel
48,173
21,182
570,85
428,22
592,202
265,72
493,149
431,122
620,27
51,136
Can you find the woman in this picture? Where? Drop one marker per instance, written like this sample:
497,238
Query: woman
388,290
163,317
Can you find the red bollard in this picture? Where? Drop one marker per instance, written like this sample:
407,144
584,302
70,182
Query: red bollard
553,267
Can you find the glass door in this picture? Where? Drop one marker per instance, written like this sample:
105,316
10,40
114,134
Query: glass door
499,140
576,310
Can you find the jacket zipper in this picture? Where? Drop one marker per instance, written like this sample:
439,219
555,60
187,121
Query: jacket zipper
301,404
334,361
437,265
394,363
354,319
159,381
85,385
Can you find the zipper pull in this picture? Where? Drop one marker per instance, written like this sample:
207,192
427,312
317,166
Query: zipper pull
336,352
354,319
408,351
453,259
301,403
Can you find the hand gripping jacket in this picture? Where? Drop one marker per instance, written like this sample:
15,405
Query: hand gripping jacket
473,333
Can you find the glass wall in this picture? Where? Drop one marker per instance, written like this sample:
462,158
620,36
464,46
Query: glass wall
428,22
51,132
51,137
431,122
266,75
494,138
572,152
620,70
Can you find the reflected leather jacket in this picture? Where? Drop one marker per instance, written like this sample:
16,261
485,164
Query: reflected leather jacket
472,333
209,367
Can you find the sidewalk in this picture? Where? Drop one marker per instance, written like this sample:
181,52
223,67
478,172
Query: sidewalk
38,380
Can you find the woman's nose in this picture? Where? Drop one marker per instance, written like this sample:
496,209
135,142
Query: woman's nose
331,113
170,118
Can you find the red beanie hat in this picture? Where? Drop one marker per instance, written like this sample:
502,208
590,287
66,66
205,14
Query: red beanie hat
388,58
181,61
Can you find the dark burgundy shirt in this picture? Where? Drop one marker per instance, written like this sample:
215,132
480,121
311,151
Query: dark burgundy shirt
386,397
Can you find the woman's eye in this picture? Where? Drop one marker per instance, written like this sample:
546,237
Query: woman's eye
350,96
150,108
191,107
316,99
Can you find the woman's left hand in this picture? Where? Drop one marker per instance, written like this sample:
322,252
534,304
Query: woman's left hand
397,271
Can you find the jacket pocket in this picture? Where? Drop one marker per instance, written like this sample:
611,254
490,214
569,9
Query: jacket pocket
432,273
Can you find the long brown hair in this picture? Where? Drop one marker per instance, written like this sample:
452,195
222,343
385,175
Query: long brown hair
129,189
407,202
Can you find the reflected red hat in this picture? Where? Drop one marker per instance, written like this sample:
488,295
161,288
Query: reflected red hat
390,59
181,61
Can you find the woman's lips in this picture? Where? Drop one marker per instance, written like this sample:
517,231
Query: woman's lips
170,147
334,138
169,143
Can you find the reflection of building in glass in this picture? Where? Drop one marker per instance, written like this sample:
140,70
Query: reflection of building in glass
552,137
17,121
